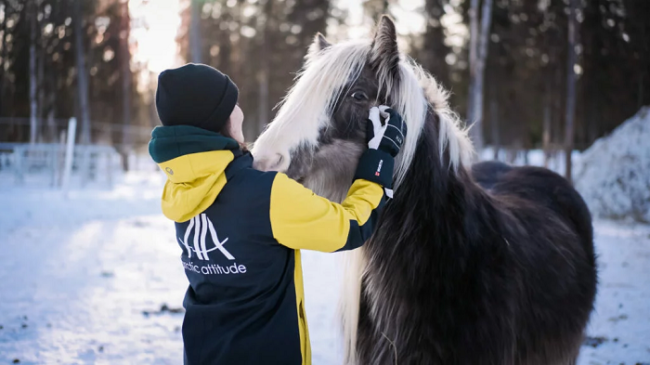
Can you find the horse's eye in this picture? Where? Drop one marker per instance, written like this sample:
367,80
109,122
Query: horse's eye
359,96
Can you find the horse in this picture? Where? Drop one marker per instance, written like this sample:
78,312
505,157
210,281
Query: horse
484,264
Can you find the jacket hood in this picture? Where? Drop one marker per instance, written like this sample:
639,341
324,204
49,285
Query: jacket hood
194,161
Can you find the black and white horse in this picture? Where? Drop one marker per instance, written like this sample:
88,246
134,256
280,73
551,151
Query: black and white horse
488,265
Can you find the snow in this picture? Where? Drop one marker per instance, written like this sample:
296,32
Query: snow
622,314
534,157
84,276
613,175
78,272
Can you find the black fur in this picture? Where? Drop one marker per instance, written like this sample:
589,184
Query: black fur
488,173
457,275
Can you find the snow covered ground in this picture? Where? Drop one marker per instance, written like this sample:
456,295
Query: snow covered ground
94,278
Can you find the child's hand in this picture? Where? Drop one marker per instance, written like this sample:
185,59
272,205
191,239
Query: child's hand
387,136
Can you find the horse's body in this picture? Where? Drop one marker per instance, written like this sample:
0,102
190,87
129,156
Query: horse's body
489,266
504,276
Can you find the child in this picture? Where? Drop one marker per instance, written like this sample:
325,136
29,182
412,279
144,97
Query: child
241,229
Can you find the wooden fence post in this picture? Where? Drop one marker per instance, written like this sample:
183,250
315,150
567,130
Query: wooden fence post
69,153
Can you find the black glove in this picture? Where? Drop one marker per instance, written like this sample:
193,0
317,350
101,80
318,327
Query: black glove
389,136
384,143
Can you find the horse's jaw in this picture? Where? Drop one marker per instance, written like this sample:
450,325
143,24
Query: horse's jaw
331,169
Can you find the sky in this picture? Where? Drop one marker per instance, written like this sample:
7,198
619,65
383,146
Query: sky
407,15
154,28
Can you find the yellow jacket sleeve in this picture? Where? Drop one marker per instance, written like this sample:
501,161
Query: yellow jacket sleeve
301,219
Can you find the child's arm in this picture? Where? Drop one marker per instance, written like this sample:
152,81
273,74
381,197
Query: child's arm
301,219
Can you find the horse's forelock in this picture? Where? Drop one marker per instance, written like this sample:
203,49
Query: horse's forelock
307,107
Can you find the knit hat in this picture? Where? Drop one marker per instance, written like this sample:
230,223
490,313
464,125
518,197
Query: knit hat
196,95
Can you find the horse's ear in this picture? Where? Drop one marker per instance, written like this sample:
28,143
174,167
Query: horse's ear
384,54
319,44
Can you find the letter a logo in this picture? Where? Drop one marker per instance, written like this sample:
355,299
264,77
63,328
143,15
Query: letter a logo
200,225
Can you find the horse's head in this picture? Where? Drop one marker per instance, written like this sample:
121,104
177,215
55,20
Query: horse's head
318,134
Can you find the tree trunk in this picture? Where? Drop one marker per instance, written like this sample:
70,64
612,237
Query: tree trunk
41,91
51,123
639,103
125,70
546,133
558,122
32,13
196,55
494,121
264,70
153,113
478,55
571,88
82,74
473,58
434,50
3,56
644,78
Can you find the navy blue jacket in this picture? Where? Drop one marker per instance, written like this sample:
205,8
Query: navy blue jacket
240,231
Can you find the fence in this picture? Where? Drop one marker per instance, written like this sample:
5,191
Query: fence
56,159
47,159
53,130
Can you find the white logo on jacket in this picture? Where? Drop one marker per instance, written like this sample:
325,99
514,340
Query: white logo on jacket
201,224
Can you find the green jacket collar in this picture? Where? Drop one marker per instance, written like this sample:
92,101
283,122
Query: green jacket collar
170,142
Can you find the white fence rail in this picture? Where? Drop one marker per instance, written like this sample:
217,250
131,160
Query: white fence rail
56,160
34,162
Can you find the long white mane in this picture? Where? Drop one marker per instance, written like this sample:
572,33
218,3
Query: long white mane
308,106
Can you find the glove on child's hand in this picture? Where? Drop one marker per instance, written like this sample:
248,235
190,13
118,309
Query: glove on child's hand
387,136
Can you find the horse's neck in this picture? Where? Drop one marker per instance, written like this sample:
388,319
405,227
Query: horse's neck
437,208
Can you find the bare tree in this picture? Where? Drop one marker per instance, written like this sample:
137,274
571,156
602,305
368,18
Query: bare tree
571,86
546,128
82,74
3,54
550,84
32,13
40,85
264,71
494,123
473,50
477,56
125,70
195,33
51,102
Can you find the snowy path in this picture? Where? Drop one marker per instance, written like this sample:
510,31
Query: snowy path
83,279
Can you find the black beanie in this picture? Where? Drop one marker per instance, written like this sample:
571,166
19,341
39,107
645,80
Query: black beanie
196,95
